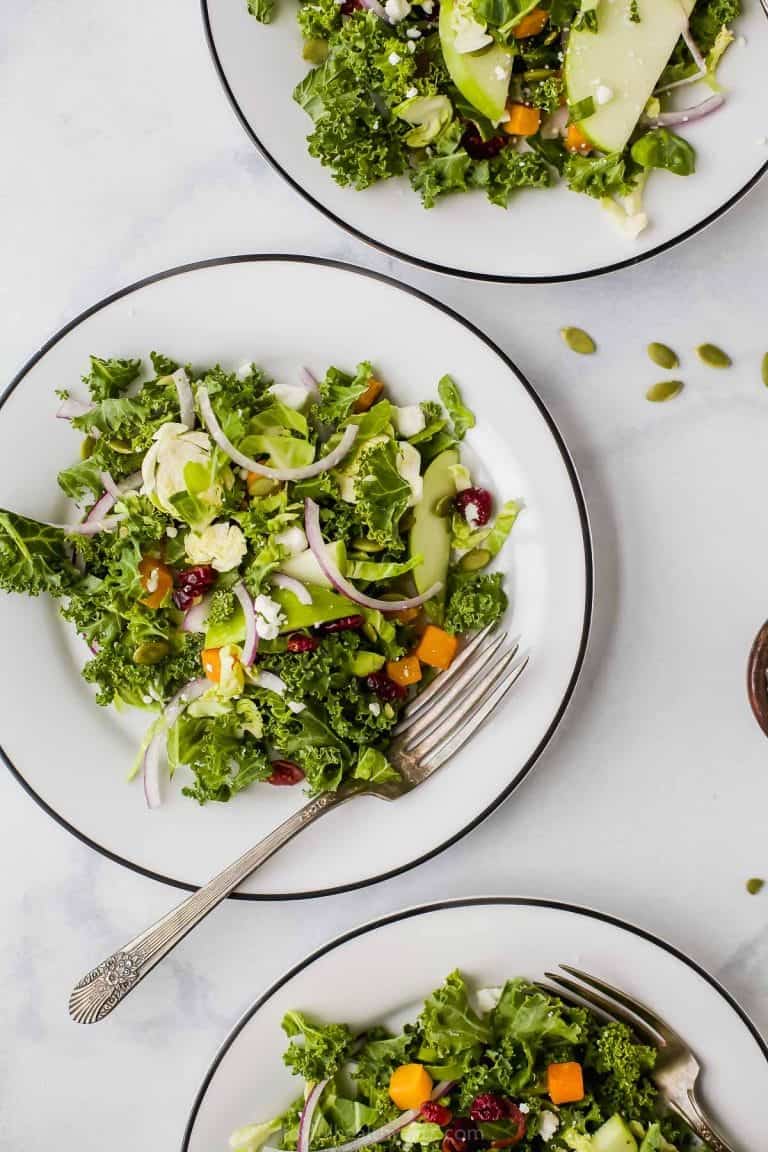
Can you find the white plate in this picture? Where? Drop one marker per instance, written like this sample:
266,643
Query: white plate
382,972
553,235
283,312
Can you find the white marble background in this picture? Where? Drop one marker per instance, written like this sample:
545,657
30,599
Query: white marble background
120,157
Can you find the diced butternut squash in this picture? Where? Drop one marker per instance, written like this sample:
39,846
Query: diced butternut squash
436,647
523,121
370,396
576,141
565,1083
156,580
404,672
211,658
410,1086
531,24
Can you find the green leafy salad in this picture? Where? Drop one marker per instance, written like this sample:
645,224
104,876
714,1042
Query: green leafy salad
512,1067
509,94
272,569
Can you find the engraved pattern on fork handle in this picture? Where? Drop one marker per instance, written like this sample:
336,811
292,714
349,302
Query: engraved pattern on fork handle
689,1109
102,989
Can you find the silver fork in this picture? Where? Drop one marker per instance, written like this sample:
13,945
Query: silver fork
677,1069
434,727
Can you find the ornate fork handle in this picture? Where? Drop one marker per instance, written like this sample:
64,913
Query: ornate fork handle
95,996
689,1109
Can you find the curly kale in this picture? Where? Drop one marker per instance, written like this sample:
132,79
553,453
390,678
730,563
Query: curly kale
119,677
547,94
34,557
318,19
323,1048
109,379
224,757
221,606
623,1066
600,176
474,601
707,19
511,170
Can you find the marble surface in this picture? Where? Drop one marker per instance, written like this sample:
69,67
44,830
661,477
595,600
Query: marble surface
122,157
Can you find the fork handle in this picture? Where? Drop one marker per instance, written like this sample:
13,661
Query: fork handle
98,993
689,1109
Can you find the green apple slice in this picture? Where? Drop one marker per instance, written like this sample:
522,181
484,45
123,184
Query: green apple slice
482,77
620,64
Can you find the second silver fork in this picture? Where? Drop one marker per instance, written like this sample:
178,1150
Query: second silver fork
435,726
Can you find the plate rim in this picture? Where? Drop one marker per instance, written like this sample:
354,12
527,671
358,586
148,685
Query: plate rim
581,507
446,269
440,906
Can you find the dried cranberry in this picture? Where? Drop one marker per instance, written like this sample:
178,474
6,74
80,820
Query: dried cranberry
350,6
285,773
435,1113
192,584
385,688
463,1135
480,149
475,506
298,642
517,1124
342,625
488,1108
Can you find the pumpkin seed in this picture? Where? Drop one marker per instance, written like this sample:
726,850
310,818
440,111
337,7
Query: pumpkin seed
663,355
754,885
151,652
713,356
444,505
765,369
664,390
86,447
360,544
579,341
315,51
121,446
476,559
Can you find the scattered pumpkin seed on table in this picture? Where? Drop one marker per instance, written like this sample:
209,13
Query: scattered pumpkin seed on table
663,355
765,369
579,341
755,885
664,390
713,356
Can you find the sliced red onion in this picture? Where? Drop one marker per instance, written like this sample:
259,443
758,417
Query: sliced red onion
195,617
394,1126
687,115
308,1112
251,642
100,509
168,718
308,378
69,409
340,583
110,487
186,399
90,527
698,59
271,682
323,465
291,584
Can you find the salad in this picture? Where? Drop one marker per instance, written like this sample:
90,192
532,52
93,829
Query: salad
512,1067
510,94
272,569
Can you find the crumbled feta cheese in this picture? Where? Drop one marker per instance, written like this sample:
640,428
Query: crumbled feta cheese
397,10
410,419
411,93
244,371
172,531
292,395
472,514
394,58
548,1125
413,34
295,706
488,998
222,545
269,617
293,540
603,94
374,708
524,1108
411,46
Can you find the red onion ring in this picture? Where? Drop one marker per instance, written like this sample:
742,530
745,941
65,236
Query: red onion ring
323,465
271,682
394,1126
186,399
687,115
308,379
69,409
308,1112
698,59
195,617
251,642
168,718
291,584
340,583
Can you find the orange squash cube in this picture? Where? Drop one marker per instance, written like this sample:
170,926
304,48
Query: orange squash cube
523,121
565,1083
404,672
370,396
410,1086
436,647
531,24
